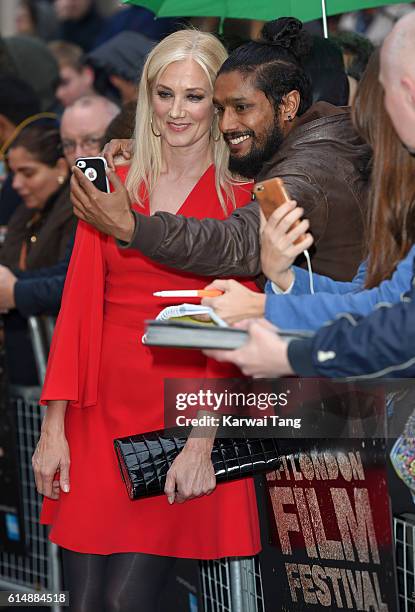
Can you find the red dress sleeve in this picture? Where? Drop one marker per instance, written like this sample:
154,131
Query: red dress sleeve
73,365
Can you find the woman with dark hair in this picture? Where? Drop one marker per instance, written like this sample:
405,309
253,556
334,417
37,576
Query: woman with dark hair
387,271
39,231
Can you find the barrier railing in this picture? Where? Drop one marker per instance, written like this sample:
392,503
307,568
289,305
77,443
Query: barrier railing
404,534
232,585
38,570
41,332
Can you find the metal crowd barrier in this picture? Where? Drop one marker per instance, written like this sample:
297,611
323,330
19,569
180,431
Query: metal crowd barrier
404,534
232,585
39,569
41,332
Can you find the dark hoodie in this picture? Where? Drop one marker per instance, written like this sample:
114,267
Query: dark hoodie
124,55
84,31
35,64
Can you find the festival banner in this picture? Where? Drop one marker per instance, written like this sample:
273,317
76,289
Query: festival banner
326,517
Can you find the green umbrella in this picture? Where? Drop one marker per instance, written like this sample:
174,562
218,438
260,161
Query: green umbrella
306,10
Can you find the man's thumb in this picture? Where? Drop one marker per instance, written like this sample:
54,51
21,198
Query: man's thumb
115,180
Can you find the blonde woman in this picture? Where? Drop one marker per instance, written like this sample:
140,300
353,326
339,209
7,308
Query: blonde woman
102,383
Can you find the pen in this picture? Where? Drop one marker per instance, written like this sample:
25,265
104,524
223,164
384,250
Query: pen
180,293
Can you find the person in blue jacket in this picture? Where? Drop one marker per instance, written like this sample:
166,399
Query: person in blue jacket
381,345
34,292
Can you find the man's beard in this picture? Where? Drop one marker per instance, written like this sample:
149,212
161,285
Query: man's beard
250,165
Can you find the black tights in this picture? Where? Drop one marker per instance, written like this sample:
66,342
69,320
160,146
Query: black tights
123,582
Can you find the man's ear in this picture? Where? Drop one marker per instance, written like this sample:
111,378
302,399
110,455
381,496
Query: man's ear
408,85
88,75
290,104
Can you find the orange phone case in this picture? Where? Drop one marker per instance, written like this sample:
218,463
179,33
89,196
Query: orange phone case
270,194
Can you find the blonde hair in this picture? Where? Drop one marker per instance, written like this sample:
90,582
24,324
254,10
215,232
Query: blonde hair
209,53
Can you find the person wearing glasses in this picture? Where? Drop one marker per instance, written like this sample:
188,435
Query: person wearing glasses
38,231
83,126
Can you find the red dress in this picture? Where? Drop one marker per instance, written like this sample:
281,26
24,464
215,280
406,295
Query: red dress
114,385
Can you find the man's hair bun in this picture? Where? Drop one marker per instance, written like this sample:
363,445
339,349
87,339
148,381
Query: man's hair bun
288,33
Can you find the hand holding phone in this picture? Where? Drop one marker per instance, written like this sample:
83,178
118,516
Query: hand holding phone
271,194
95,169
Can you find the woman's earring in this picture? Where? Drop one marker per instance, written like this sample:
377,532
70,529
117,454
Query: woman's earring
289,117
156,134
215,137
61,179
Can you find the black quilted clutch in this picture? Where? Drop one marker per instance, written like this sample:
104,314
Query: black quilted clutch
144,459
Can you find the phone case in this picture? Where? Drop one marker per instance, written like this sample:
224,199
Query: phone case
94,169
270,194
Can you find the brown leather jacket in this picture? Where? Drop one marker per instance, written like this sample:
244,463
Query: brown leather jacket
323,164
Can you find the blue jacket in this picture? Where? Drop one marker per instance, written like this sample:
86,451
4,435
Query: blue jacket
301,310
35,292
40,291
381,345
138,19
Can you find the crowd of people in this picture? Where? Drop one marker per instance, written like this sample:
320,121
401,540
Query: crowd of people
186,129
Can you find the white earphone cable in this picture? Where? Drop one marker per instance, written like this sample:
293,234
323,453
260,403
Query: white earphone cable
310,271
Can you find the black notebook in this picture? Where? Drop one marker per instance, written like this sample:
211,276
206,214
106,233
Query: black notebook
198,336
